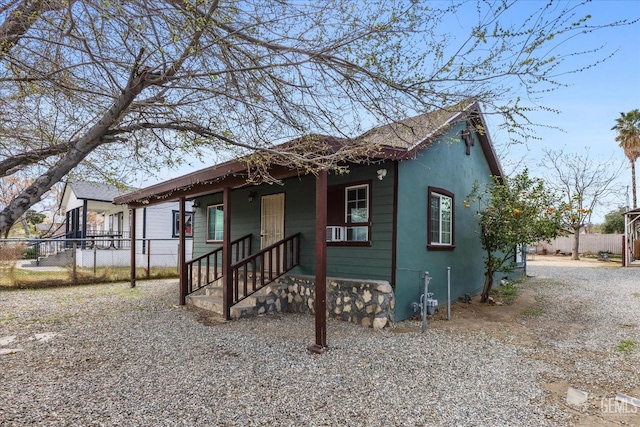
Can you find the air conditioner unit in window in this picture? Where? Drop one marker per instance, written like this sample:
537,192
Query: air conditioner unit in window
335,234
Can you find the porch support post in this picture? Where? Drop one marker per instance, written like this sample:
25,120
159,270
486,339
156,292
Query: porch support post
132,237
227,291
182,258
85,210
624,240
321,264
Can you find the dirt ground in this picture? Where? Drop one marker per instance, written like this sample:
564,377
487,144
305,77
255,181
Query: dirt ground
508,320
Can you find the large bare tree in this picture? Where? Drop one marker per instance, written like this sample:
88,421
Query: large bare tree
107,87
582,184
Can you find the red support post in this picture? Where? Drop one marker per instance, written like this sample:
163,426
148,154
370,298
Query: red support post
321,264
227,292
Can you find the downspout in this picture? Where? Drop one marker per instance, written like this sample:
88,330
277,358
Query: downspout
394,226
182,267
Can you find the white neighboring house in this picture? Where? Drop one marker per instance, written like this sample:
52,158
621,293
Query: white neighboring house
103,228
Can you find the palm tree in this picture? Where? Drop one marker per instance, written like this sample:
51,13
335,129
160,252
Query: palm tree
628,128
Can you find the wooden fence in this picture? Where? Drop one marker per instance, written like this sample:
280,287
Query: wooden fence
589,243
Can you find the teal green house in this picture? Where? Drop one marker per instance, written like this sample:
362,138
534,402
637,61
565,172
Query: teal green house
371,233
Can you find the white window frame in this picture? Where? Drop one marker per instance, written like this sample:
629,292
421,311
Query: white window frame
440,221
352,227
218,233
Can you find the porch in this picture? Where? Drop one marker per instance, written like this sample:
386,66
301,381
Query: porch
260,285
242,276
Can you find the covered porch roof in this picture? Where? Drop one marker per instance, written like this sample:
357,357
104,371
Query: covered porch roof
396,141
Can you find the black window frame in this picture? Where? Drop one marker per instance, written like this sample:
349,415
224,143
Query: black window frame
175,230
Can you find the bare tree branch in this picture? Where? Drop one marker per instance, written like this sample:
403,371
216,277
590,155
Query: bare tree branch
174,77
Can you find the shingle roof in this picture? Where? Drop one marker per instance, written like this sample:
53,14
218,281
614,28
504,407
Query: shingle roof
85,190
408,133
396,141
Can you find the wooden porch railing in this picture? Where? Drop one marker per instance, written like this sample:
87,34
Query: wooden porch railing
208,267
258,270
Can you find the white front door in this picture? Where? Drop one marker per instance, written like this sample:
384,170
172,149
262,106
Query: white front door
272,219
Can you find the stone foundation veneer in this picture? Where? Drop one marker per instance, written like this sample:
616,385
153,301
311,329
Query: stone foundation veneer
369,303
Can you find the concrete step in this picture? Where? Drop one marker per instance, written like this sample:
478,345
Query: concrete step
64,257
216,289
205,302
214,304
212,300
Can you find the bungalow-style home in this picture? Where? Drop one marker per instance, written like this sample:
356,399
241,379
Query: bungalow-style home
97,224
369,235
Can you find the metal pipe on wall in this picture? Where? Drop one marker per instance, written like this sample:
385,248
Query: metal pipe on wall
448,293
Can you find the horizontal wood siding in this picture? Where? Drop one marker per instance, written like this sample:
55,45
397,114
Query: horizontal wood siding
373,262
349,262
300,217
200,245
159,231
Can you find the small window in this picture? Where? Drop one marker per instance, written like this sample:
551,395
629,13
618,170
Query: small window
357,213
215,223
440,219
188,222
349,214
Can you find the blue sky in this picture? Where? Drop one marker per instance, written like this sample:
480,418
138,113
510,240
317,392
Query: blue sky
592,102
588,106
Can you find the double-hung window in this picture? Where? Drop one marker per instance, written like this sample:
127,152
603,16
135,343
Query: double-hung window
349,214
440,219
215,223
357,213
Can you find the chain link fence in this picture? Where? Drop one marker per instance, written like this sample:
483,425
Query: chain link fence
51,262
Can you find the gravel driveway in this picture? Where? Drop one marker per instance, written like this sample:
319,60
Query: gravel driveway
129,357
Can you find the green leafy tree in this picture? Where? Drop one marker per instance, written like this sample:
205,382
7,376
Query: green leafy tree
614,221
31,220
34,218
512,212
